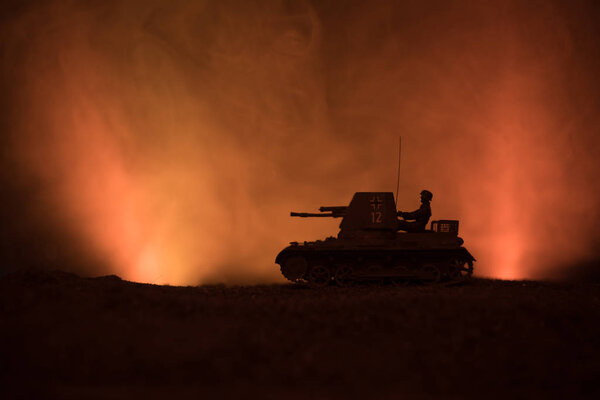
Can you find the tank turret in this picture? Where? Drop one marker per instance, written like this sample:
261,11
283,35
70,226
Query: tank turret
368,247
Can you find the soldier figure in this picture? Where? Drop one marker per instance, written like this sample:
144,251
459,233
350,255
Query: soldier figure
416,221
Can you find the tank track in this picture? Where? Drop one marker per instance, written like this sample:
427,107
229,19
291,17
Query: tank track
320,270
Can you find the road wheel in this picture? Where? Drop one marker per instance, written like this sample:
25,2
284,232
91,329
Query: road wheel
405,276
430,274
319,276
374,273
343,276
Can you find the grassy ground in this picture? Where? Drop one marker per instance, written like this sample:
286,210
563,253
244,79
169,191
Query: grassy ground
70,337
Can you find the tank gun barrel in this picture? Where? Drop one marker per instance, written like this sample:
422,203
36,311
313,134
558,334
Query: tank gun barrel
306,215
334,209
332,212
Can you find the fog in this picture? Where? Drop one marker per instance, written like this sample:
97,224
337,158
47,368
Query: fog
167,141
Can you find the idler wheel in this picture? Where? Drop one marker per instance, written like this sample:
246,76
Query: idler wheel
319,276
460,269
468,270
430,274
343,276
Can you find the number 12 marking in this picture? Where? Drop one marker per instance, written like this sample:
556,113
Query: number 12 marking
376,217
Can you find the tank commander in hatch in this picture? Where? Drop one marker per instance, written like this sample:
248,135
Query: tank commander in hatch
416,221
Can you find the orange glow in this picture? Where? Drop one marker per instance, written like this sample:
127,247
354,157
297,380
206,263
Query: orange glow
174,139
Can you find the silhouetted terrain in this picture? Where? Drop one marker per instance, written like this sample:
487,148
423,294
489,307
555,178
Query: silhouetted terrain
71,337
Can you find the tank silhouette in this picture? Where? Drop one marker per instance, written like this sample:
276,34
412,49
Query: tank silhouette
369,248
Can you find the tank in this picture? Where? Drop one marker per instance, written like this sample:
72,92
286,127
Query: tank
368,248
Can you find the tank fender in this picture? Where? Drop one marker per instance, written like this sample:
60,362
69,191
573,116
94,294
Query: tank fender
469,255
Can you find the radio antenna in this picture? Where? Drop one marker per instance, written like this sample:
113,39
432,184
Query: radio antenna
399,160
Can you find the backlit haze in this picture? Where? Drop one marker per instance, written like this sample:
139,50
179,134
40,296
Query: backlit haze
167,141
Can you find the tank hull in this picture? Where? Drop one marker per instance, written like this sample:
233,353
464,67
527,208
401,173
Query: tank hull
411,257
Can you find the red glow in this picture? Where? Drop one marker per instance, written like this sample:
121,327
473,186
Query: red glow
175,144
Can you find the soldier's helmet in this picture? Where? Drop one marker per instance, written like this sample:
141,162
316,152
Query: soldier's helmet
426,195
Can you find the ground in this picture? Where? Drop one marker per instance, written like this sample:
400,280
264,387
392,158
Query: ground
69,337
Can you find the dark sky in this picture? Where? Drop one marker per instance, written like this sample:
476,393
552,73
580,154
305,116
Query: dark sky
167,141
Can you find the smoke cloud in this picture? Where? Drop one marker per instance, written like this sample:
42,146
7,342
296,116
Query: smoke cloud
167,141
